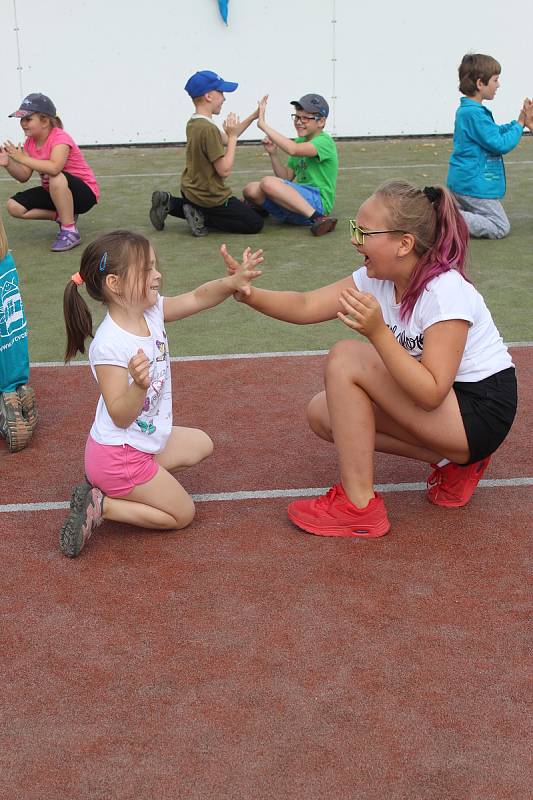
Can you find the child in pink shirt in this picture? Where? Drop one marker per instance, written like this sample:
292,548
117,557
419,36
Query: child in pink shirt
68,186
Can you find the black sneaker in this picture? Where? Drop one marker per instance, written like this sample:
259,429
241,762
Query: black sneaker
196,220
159,210
323,225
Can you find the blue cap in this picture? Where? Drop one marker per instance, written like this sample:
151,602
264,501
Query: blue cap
35,104
206,81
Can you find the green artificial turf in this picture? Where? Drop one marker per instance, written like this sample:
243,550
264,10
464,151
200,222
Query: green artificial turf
293,258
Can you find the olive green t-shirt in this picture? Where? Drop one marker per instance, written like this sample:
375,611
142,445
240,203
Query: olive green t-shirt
200,182
319,171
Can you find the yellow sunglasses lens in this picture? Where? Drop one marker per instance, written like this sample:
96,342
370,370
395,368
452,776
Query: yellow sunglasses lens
356,232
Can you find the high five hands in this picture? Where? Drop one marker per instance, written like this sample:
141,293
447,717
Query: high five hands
243,272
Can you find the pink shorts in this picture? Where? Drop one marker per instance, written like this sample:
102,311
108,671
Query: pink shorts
117,469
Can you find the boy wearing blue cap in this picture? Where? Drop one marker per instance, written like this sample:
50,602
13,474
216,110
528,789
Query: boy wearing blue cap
206,202
303,191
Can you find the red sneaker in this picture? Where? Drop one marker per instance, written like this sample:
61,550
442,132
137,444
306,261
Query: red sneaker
453,485
334,515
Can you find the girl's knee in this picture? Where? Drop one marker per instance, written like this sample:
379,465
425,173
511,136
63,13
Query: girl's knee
205,445
14,209
56,181
185,515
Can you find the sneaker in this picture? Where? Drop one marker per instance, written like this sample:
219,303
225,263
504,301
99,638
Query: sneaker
453,485
29,407
323,225
13,426
85,516
159,210
196,220
334,515
65,240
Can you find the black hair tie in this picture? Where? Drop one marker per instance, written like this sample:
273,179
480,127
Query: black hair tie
431,193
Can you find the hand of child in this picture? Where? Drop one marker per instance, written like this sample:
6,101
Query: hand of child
261,110
362,312
255,115
139,369
231,125
14,151
243,273
269,146
4,157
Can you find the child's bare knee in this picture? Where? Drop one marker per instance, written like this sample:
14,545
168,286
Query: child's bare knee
14,209
185,515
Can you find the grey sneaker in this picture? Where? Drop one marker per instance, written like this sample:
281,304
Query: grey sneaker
29,407
84,517
196,220
159,210
65,240
13,427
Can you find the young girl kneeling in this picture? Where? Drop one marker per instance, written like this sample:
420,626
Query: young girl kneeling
435,382
133,447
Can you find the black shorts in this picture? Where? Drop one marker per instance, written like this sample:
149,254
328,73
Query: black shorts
38,197
488,408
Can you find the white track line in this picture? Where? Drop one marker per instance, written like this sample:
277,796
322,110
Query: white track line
232,356
269,494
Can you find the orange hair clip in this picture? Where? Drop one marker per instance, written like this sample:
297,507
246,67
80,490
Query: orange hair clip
77,279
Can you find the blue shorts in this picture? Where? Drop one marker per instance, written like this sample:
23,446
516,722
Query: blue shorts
309,193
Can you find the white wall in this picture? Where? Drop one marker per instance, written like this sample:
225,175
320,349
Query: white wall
116,69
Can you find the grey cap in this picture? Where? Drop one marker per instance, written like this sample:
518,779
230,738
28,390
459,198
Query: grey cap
313,104
35,104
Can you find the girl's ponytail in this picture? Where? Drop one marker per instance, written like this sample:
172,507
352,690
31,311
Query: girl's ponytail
78,320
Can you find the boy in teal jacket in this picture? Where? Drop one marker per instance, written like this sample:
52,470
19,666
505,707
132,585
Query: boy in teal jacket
476,172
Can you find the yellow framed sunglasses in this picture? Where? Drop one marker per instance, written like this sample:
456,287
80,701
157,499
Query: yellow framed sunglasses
359,234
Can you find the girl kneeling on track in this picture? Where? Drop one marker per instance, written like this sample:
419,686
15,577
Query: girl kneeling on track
435,382
133,447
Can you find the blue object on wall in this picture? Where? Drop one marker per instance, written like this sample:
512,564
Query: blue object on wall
223,6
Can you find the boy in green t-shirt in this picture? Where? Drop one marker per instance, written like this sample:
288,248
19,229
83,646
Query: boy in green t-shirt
303,192
206,202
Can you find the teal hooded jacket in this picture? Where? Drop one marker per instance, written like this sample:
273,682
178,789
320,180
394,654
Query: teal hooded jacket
476,165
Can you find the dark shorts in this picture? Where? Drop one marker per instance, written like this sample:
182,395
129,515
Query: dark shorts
37,197
488,408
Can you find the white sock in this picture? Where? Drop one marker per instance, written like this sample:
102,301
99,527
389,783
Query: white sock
443,462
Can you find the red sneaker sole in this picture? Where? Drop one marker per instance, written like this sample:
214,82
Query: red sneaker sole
347,533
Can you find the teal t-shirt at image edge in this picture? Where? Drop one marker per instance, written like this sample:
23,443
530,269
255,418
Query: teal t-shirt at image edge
14,357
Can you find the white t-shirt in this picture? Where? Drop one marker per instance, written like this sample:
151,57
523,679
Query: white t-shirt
113,345
448,296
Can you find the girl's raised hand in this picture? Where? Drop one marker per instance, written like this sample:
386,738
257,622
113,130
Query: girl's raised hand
15,151
139,369
361,312
4,157
242,273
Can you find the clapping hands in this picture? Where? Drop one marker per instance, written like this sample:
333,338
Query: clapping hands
242,273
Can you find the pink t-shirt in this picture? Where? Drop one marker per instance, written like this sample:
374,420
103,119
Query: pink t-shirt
75,164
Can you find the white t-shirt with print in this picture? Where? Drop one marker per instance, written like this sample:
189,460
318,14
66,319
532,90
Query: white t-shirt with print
448,296
113,345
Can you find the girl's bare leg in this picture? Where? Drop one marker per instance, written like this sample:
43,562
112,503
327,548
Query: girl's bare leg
356,379
62,198
163,503
19,212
